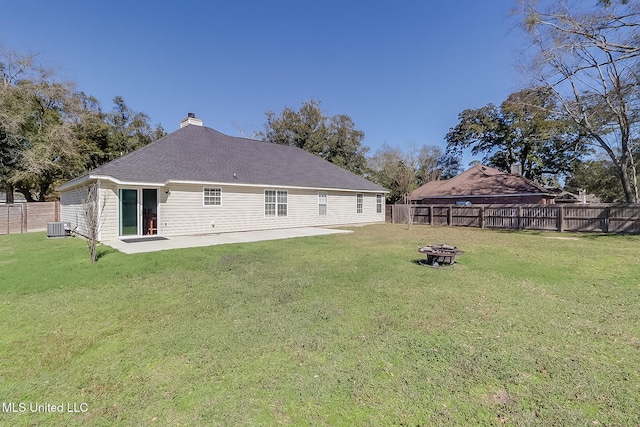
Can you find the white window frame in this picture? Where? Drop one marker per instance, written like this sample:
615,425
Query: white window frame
211,198
270,204
322,202
273,204
379,203
280,204
359,203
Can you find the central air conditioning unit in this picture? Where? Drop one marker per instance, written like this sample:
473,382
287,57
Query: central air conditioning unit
58,229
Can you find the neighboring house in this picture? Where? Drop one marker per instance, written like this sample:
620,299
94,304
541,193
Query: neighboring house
482,185
566,197
197,180
17,198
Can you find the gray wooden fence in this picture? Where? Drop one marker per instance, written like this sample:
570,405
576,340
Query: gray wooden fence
24,217
603,218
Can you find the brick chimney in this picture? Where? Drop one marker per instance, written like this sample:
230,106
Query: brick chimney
190,120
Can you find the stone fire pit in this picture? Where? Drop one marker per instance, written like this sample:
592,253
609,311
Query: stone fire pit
440,254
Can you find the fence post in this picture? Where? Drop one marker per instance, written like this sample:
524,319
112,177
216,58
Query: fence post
519,213
430,214
481,213
607,215
449,216
561,218
25,218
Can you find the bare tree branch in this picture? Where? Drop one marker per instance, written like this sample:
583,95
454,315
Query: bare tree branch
93,215
588,57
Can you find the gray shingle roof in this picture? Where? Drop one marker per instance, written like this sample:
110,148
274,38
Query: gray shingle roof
198,153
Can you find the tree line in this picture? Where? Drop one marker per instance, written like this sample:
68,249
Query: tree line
577,122
50,132
580,118
336,140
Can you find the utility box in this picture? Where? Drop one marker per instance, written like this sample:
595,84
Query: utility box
58,229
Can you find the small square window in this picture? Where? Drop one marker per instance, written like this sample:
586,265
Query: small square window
212,196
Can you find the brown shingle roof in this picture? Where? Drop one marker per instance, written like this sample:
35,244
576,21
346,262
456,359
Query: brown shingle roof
479,181
202,154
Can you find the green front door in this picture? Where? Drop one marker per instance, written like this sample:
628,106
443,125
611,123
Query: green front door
128,212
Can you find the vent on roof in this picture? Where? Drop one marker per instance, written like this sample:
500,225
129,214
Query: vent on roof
516,169
190,120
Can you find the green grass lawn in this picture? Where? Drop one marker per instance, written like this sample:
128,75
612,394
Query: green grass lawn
527,329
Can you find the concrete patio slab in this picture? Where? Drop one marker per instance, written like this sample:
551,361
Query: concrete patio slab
139,245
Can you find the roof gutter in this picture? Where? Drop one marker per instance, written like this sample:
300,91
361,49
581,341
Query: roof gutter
73,183
291,187
93,177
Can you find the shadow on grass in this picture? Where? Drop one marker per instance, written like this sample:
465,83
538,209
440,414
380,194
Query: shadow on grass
578,234
423,263
522,231
104,251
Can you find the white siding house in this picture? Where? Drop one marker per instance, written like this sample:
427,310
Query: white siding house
72,213
198,181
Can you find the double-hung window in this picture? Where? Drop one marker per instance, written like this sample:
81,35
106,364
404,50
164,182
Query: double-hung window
212,196
275,203
282,203
269,203
322,203
359,202
378,203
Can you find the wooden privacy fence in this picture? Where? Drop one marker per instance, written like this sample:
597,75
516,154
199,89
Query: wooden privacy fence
24,217
603,218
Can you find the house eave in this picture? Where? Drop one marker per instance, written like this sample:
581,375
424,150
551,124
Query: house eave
128,183
77,182
95,177
266,185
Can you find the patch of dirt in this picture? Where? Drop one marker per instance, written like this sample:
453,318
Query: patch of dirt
502,397
279,414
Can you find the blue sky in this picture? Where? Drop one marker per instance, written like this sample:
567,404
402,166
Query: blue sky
402,70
